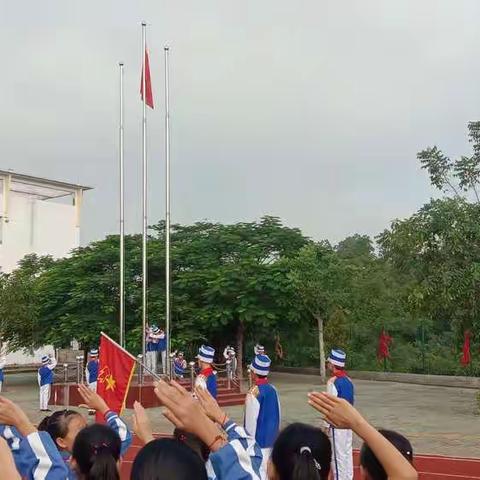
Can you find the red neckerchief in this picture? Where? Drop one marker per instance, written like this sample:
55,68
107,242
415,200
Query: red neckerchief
340,373
261,381
206,372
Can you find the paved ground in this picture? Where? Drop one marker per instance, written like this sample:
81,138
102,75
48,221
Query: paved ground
438,420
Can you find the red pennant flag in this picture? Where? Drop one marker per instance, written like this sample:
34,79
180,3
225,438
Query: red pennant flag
384,342
115,371
466,357
148,83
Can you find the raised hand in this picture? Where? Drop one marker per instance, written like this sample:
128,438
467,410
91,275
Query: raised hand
210,406
11,414
336,411
141,423
92,400
186,413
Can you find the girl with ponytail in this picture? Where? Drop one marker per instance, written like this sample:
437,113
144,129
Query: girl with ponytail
96,453
301,452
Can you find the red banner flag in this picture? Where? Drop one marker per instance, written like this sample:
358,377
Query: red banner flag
466,357
148,83
115,371
384,342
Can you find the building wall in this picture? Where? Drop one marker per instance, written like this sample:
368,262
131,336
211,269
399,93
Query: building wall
44,227
36,226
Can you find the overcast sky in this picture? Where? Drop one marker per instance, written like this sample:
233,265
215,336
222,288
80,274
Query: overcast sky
309,110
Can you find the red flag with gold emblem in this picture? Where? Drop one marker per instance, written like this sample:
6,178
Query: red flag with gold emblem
115,371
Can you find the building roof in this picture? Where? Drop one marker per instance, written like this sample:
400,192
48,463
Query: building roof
39,187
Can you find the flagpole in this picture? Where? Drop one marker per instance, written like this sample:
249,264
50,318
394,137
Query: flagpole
122,217
126,352
167,207
144,231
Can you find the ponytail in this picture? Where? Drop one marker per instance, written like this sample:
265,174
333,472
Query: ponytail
104,466
302,452
305,466
96,452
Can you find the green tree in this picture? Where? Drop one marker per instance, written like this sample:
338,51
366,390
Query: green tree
321,281
19,320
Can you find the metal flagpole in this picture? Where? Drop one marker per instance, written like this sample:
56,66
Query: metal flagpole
144,233
167,208
122,218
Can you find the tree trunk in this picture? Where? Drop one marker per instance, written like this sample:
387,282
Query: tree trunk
240,336
321,347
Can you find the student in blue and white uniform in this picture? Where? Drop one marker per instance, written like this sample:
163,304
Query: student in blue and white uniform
162,350
45,380
3,362
180,365
207,378
91,370
262,406
342,443
151,348
229,355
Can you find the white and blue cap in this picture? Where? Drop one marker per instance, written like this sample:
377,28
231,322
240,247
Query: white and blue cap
206,354
259,349
94,352
337,357
261,365
155,329
45,359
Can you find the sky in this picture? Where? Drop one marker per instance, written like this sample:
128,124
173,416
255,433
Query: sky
312,110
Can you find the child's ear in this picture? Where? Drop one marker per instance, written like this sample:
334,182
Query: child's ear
61,443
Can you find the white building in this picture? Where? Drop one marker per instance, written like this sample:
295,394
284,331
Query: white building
37,216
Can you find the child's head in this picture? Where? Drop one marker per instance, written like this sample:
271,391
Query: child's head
96,453
63,426
167,458
301,452
371,468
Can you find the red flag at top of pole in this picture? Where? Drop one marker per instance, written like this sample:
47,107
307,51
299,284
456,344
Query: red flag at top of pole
148,83
466,357
115,371
384,342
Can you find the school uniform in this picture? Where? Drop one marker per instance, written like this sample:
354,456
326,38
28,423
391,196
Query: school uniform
180,365
45,380
91,374
262,408
341,386
3,362
162,350
207,378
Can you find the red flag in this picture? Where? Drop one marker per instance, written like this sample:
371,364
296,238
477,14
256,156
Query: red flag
148,83
115,371
466,357
384,342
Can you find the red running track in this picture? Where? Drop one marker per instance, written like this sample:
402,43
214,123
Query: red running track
430,467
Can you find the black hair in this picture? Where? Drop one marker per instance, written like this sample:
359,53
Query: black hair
193,442
302,452
96,452
56,424
167,459
369,461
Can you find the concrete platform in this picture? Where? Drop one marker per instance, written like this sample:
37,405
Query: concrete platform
64,394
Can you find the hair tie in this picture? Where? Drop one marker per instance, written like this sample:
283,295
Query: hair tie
100,447
308,450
